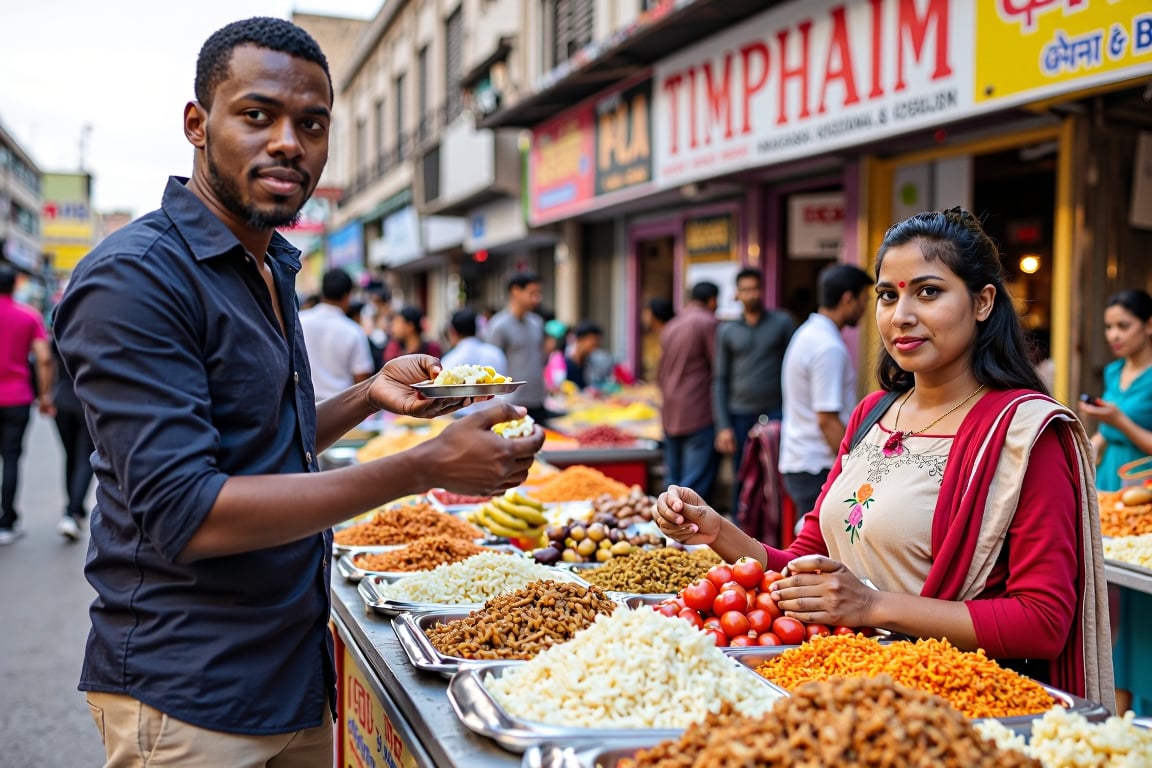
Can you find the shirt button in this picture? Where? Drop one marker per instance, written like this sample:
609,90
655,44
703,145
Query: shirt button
296,377
308,457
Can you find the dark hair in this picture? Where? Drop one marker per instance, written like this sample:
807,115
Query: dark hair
414,316
587,328
7,280
335,285
522,280
214,63
838,279
354,310
1001,357
1134,300
661,309
705,291
750,272
464,322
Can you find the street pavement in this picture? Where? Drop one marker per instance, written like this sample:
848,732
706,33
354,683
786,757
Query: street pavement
44,599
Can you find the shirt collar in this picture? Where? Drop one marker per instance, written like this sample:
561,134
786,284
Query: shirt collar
206,235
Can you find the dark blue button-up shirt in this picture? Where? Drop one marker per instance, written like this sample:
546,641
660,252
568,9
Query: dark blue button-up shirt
186,379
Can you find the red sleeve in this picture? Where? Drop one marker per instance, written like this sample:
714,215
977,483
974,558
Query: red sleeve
1027,607
810,540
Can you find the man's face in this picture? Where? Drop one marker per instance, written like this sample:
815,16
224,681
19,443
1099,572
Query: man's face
750,293
265,139
858,307
528,298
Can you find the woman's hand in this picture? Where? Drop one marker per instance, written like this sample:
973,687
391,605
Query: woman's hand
818,590
391,388
1103,411
683,516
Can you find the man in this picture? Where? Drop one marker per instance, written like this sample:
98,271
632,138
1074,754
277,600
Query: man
685,380
338,352
210,544
820,384
519,333
22,335
589,366
469,350
746,377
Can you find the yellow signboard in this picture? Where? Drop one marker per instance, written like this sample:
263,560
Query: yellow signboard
66,257
370,738
1040,48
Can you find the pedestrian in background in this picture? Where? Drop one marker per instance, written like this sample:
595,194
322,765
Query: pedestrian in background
685,379
819,384
655,315
78,448
467,349
338,350
588,365
519,332
211,552
746,374
407,335
22,337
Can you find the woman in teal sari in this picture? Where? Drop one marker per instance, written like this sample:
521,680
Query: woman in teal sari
1124,415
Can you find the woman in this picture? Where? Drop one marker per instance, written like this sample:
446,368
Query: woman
1124,415
406,331
969,504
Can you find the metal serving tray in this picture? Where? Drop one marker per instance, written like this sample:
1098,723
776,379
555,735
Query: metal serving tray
549,755
370,594
353,572
432,389
422,653
481,713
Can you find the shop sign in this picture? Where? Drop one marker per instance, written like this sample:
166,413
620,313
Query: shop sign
346,246
1030,49
815,225
370,738
624,139
808,77
561,171
708,238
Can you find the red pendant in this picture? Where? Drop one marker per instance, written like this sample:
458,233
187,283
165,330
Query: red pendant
893,443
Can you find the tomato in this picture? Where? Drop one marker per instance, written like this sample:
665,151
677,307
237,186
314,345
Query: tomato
692,617
764,602
712,622
734,623
767,638
866,631
840,629
768,579
742,641
729,600
700,594
718,637
666,608
733,586
719,574
789,630
812,630
747,572
760,620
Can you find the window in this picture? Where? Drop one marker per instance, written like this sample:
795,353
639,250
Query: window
453,63
570,25
423,126
381,129
400,117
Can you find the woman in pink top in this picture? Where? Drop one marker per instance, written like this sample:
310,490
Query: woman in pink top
968,501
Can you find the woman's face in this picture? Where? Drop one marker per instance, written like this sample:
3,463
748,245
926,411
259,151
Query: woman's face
925,315
401,328
1126,333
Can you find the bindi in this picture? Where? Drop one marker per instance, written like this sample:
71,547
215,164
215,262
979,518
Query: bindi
901,283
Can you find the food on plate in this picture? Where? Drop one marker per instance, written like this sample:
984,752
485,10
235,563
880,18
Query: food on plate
1133,497
515,428
970,681
523,623
423,554
630,669
636,507
653,571
1134,550
1062,738
403,523
1120,519
579,483
598,538
470,374
474,580
515,515
848,721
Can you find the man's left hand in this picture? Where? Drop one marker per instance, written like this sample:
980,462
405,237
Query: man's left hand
391,388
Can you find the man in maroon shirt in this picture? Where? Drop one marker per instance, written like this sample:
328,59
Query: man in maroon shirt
688,343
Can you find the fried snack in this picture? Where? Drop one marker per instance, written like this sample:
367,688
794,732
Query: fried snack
1120,519
652,571
521,624
970,682
579,483
403,524
843,722
424,554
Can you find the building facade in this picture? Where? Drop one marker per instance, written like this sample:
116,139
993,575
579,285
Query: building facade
21,243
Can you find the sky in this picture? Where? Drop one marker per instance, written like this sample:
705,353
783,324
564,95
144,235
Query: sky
125,68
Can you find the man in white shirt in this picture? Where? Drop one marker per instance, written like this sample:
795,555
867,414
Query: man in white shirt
338,352
819,384
467,349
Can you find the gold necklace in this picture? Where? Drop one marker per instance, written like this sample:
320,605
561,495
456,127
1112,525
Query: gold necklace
894,445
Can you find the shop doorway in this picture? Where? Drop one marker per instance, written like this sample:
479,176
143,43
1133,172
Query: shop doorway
811,239
656,260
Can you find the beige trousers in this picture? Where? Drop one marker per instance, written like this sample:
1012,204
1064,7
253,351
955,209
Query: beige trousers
136,735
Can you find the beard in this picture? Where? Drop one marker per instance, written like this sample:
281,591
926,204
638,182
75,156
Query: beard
227,191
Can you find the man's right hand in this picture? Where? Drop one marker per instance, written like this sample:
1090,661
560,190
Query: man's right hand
726,441
469,458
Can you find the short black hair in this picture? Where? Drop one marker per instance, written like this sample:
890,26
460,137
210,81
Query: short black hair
335,285
522,280
214,63
7,280
837,279
661,309
413,315
705,291
587,328
464,322
750,272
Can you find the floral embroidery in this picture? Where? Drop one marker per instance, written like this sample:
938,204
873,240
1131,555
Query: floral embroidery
855,519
